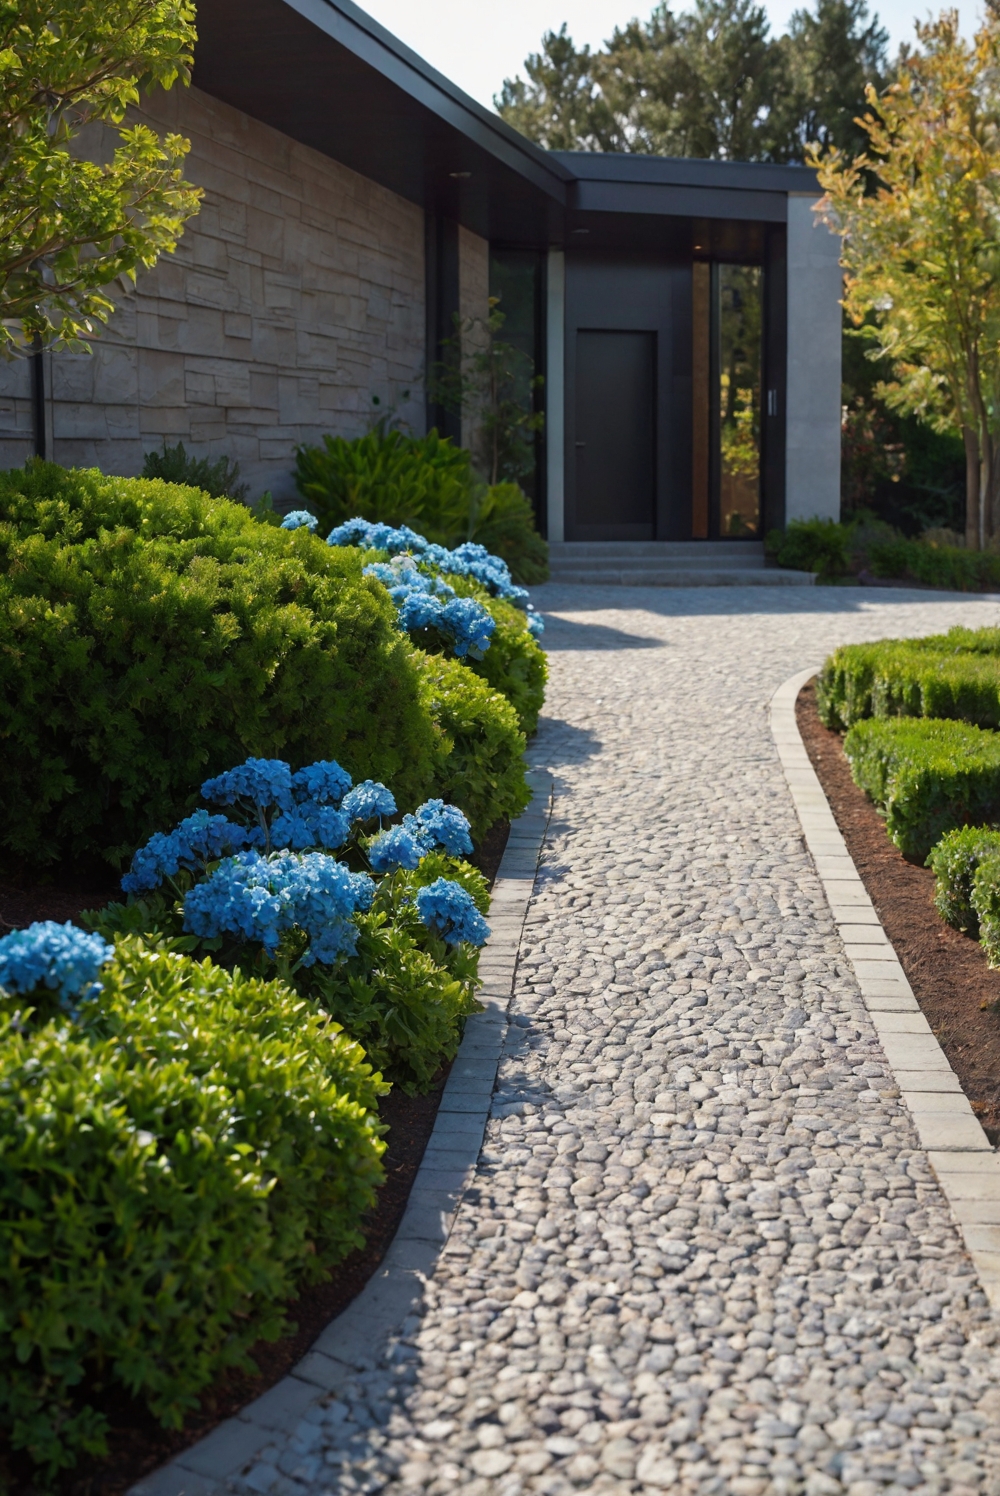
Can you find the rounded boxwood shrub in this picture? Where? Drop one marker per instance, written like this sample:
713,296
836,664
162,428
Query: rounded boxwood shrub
480,763
515,663
151,636
173,1165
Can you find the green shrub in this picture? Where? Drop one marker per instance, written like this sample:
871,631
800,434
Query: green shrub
421,481
950,567
171,1169
218,479
955,861
426,483
505,524
985,901
819,545
480,765
151,636
928,776
946,675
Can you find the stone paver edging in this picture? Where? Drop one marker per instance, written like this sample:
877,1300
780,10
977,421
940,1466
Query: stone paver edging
960,1154
357,1338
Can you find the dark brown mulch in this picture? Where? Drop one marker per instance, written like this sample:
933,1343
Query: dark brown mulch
947,970
137,1444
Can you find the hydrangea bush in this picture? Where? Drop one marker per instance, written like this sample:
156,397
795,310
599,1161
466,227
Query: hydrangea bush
303,877
466,598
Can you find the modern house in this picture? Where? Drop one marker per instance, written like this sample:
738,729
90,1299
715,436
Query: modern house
684,314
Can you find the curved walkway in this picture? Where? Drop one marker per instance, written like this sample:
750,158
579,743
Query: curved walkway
704,1251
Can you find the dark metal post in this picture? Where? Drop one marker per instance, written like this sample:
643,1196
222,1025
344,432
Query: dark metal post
38,394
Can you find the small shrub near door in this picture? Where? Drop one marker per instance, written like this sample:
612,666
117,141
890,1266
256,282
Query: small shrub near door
179,1151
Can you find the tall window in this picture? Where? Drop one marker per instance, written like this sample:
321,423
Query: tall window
516,280
727,318
740,323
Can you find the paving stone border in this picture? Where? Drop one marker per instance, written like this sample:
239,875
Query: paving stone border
966,1165
357,1338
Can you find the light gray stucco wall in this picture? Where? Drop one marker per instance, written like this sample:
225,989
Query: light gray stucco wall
294,296
813,413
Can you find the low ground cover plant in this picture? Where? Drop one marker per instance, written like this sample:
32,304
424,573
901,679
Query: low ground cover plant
181,1147
928,776
306,877
945,675
151,635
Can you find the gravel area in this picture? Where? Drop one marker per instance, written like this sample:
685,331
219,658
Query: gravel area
703,1252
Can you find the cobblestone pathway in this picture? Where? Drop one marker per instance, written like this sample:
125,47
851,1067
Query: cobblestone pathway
704,1252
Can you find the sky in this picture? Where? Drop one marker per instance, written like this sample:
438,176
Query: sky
478,43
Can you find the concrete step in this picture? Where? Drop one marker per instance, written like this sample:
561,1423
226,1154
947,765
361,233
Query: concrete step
682,576
657,563
747,551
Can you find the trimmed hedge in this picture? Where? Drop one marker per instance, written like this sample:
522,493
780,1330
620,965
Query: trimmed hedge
172,1167
946,566
955,861
480,765
928,776
151,636
953,675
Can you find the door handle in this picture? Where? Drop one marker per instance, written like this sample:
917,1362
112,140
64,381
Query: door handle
579,444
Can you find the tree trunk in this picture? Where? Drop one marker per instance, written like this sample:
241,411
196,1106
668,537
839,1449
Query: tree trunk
972,476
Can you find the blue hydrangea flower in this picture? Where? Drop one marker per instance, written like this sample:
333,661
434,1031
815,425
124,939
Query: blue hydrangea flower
199,839
394,848
445,907
62,958
310,826
324,782
258,898
468,624
265,782
299,519
351,532
368,800
444,826
536,624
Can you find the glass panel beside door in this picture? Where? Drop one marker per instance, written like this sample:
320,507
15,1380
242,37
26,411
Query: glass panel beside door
727,306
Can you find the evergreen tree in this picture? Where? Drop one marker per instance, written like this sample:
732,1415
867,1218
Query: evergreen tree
710,82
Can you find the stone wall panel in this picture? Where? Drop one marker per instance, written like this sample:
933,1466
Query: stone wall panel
295,295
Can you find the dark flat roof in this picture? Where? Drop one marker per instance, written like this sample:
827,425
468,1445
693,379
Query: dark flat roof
327,74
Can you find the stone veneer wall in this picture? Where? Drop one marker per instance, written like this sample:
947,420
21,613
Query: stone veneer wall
295,295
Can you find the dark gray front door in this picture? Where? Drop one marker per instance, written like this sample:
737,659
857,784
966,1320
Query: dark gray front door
615,435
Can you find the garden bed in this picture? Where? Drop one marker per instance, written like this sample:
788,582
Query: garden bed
946,969
137,1443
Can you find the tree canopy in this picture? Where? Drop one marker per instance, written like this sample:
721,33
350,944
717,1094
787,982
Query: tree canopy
85,198
710,82
919,213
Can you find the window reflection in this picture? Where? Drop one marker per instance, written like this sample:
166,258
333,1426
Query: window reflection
740,304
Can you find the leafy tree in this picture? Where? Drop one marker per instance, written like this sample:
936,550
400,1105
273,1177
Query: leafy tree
709,82
75,214
921,251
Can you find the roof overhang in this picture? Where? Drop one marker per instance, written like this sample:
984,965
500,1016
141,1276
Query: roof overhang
326,74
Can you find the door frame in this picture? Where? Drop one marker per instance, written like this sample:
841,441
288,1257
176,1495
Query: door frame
627,292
